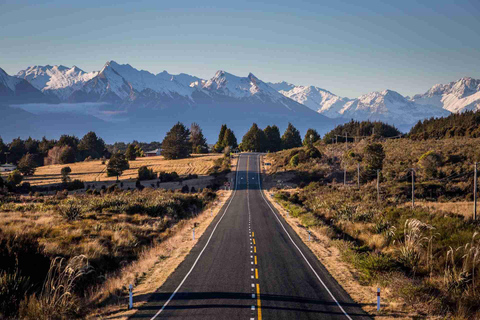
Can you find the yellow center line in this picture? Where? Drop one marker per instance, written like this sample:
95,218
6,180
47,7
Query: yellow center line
259,303
253,234
255,259
253,241
254,249
256,273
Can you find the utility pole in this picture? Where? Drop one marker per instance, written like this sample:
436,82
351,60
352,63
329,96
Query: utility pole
373,131
378,185
413,188
358,175
475,193
346,137
345,175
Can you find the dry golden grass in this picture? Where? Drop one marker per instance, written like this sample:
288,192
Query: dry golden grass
96,171
461,208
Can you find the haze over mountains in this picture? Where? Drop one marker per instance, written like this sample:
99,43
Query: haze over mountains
123,103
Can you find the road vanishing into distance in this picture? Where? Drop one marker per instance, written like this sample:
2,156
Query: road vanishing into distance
249,264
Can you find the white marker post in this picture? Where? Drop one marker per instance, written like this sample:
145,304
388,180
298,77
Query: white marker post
378,299
130,297
193,236
308,235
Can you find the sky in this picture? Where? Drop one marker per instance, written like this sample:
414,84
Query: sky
348,47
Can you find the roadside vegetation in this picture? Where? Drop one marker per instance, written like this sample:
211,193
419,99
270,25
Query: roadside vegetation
427,255
56,249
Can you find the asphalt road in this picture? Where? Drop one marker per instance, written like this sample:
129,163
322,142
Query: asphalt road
249,264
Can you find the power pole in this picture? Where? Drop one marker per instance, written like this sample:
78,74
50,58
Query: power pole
346,137
358,175
475,193
378,185
373,131
413,188
345,175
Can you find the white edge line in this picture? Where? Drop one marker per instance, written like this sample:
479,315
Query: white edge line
201,252
279,221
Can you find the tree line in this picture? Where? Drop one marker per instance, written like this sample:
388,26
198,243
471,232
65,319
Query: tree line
466,124
269,140
350,130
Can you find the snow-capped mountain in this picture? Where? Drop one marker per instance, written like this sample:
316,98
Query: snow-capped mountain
389,106
456,96
318,99
121,83
56,80
226,84
14,90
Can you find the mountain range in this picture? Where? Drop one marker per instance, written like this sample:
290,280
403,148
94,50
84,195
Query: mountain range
125,103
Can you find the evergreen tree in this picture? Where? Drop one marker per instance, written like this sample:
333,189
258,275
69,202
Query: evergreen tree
45,145
31,145
67,155
116,165
17,150
92,146
291,138
139,151
27,165
66,140
254,140
65,172
311,137
373,158
131,153
274,142
3,149
219,145
176,144
229,139
198,141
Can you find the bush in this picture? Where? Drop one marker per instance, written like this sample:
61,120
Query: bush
429,163
14,178
144,173
168,177
13,288
71,211
75,185
138,185
185,189
294,160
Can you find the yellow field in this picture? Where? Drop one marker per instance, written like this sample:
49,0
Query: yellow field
96,171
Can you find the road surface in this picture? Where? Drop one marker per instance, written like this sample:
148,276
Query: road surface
249,264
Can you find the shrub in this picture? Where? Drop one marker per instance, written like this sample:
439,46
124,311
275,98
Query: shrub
71,211
294,160
429,163
75,185
185,189
14,178
168,177
144,173
65,172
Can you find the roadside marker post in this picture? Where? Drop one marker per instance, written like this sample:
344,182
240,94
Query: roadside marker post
193,237
378,299
308,235
130,297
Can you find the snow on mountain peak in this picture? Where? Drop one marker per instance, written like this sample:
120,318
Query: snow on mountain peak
58,80
457,96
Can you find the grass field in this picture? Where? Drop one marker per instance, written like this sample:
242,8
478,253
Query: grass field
96,171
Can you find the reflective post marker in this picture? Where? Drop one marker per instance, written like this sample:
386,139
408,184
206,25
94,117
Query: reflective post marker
193,237
308,235
378,299
130,297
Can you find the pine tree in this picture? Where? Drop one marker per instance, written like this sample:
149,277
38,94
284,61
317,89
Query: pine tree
198,141
65,172
116,165
131,153
311,137
176,144
219,145
274,142
291,138
67,155
91,146
229,139
254,140
27,165
373,158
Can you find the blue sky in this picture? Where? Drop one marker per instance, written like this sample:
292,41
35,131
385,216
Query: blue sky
348,47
